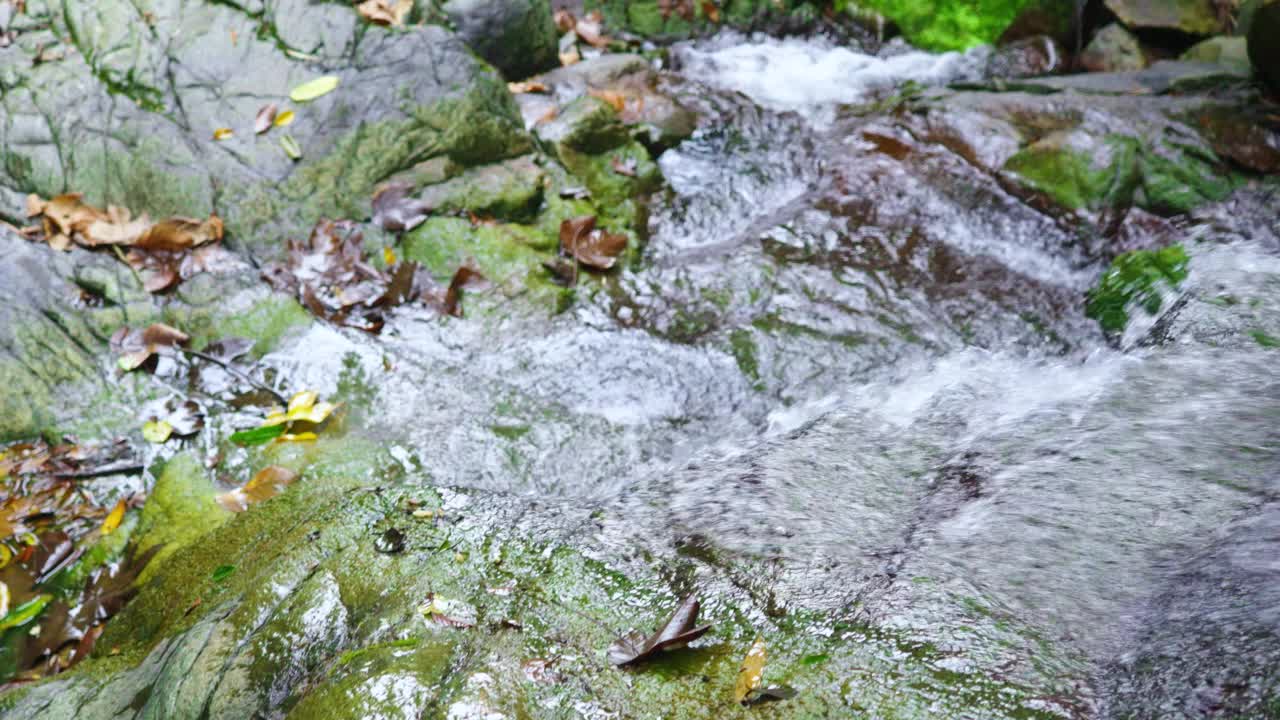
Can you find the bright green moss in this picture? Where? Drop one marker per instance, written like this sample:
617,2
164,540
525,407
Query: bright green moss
1135,278
1070,176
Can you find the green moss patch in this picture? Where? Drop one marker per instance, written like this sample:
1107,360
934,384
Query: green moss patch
1135,279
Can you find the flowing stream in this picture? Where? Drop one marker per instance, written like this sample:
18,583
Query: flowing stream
852,358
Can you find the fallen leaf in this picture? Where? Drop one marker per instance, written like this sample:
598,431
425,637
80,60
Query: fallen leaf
710,11
390,542
284,118
25,613
222,572
773,692
156,431
679,630
388,256
265,484
395,211
136,347
623,167
180,234
313,89
258,435
595,248
448,301
385,12
751,673
266,118
591,29
444,611
291,147
527,86
114,518
616,100
222,133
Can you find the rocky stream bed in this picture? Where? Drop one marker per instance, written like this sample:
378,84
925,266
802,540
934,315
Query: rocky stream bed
949,376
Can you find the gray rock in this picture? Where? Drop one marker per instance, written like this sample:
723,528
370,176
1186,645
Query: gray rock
1230,51
1113,49
587,124
127,115
517,36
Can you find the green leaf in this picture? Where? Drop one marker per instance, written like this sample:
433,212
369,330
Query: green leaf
223,572
291,147
25,613
258,435
312,89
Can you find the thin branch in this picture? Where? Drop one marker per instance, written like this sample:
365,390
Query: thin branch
237,372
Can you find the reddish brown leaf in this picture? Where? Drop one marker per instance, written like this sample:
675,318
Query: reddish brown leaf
395,211
592,247
265,119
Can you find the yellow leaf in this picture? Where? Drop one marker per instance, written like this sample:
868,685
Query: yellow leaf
751,674
156,431
312,89
296,437
113,519
5,555
284,118
315,414
269,482
275,417
222,133
303,400
388,256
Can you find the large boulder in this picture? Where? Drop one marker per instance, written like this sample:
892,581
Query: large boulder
1113,49
126,111
517,36
1196,17
1264,51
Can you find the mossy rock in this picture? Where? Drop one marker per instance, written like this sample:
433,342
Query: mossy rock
276,612
1135,279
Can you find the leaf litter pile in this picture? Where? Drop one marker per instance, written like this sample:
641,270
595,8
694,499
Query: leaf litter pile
163,252
57,587
330,277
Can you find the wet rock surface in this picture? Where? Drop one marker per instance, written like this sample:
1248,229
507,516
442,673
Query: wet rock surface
842,386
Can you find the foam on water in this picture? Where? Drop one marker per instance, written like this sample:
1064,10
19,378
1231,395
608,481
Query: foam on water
812,76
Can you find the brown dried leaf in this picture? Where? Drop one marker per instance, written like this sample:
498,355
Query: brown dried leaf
395,211
679,630
385,12
527,86
594,248
266,484
181,234
564,20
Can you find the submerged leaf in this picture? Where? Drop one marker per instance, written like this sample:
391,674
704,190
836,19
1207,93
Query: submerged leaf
156,431
312,89
751,673
258,435
598,249
25,613
395,211
114,518
285,118
266,118
222,133
266,484
679,630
